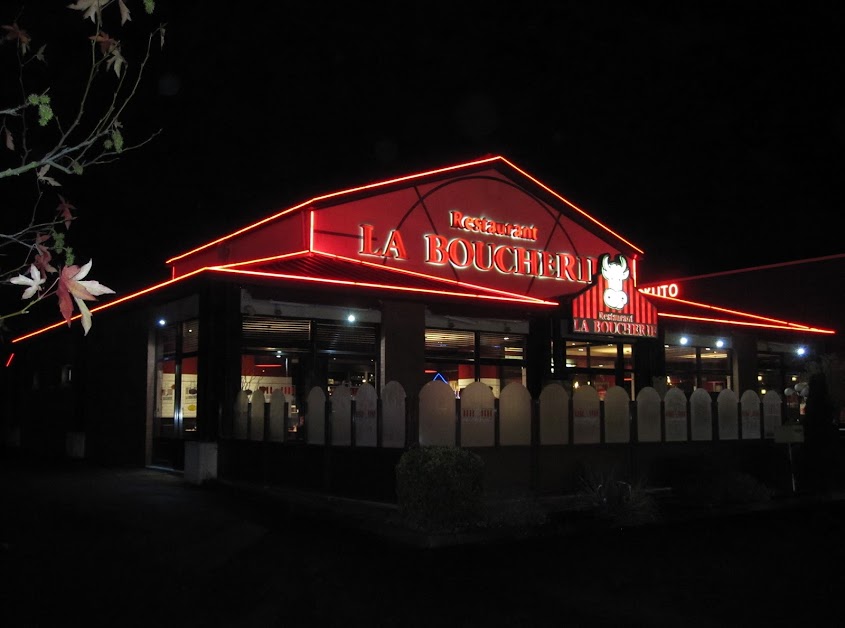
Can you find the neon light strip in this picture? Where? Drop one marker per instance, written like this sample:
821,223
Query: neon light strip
381,267
317,199
379,286
729,311
412,273
110,304
573,206
9,361
723,273
272,258
410,177
810,330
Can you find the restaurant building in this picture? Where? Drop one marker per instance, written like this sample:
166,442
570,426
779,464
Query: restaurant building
470,305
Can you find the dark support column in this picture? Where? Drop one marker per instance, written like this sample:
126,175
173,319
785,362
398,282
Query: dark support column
403,346
744,365
539,353
650,363
219,358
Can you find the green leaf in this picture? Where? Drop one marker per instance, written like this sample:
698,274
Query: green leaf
117,138
149,6
45,114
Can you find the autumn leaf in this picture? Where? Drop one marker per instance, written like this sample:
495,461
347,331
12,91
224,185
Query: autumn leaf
42,176
15,33
124,12
33,282
43,257
106,42
90,8
116,59
64,210
72,289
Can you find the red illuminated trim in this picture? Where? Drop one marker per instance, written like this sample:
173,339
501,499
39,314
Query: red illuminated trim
382,286
9,361
724,273
722,321
311,230
410,177
243,266
765,321
572,205
110,304
267,366
272,258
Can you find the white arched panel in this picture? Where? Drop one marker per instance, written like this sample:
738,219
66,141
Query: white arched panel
586,414
366,416
554,415
617,415
515,415
726,406
315,422
648,415
477,416
393,415
437,414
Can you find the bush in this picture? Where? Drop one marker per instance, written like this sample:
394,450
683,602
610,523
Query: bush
617,501
439,489
720,488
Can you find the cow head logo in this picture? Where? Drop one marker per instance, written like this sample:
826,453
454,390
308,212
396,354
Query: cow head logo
614,273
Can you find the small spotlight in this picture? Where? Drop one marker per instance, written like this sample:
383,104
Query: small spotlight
351,318
720,343
684,340
162,322
801,351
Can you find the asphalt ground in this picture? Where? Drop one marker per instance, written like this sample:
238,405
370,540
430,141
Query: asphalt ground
88,546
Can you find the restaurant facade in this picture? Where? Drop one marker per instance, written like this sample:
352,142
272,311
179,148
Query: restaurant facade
468,306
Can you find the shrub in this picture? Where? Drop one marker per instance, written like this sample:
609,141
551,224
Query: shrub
522,514
439,489
721,487
617,501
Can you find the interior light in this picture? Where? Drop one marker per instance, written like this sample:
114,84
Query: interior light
684,340
720,343
351,318
801,351
162,322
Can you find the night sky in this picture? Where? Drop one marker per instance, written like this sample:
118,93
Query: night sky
711,137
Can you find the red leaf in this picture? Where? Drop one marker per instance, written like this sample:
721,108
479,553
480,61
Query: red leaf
64,211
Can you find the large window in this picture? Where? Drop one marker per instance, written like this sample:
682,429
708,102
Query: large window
175,409
601,365
691,367
781,370
295,355
461,357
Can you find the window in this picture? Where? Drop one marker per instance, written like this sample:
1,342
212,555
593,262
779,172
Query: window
779,371
601,365
691,367
461,357
295,355
175,409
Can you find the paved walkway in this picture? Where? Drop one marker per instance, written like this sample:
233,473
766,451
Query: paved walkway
81,545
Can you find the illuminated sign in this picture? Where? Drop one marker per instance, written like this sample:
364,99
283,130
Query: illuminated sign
609,307
461,253
492,227
663,290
